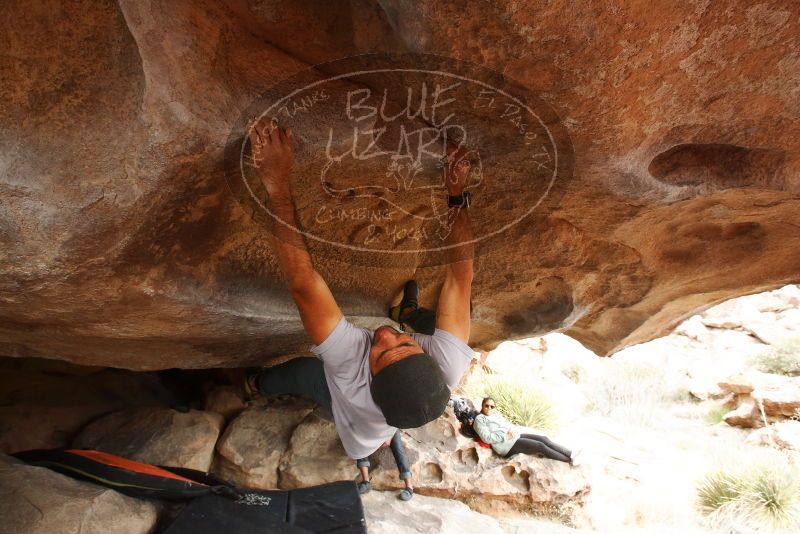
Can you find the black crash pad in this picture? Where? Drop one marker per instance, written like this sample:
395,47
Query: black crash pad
333,508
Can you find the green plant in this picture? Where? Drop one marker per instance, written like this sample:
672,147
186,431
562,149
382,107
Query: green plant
518,403
719,489
716,413
782,358
760,496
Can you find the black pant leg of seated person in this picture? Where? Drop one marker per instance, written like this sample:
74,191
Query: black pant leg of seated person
550,443
300,376
530,446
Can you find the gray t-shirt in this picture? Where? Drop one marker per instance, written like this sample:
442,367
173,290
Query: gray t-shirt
345,356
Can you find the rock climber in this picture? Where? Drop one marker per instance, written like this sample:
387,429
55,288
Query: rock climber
373,382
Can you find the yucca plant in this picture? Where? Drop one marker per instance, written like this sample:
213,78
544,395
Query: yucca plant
520,404
762,496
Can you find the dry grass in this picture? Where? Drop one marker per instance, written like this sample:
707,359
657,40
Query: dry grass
761,493
781,359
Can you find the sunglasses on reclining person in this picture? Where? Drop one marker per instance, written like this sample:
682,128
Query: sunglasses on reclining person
488,405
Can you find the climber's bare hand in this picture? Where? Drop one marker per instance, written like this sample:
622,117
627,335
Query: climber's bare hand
456,169
273,154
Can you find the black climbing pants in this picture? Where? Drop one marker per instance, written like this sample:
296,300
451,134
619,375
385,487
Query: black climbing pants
422,320
300,376
533,444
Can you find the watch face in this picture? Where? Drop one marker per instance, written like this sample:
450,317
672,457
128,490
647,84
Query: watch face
371,136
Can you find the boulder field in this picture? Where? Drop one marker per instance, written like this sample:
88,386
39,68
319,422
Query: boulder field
123,245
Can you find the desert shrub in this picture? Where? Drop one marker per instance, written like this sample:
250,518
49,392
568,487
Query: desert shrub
719,489
761,496
782,358
574,371
519,403
716,413
628,390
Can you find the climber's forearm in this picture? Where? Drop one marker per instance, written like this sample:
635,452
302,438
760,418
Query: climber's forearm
293,257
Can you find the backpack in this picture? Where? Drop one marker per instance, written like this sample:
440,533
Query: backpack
465,412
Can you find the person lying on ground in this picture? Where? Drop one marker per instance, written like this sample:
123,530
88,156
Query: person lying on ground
373,382
498,432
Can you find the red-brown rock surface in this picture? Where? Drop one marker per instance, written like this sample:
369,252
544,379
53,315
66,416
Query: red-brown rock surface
121,244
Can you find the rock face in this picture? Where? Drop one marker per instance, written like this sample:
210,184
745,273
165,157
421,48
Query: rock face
35,500
283,444
750,393
159,436
250,450
123,246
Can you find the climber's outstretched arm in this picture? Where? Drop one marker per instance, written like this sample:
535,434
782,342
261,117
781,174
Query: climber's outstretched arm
452,313
273,152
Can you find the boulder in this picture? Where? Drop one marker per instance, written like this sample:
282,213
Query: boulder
36,500
746,415
284,444
250,450
781,435
315,455
386,514
156,435
225,400
431,515
683,152
45,403
738,384
780,400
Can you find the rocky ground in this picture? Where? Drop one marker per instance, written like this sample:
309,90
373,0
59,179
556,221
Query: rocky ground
640,420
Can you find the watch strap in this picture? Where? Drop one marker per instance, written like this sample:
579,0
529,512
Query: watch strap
458,201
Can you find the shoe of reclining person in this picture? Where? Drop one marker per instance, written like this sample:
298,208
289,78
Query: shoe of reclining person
364,487
406,494
410,301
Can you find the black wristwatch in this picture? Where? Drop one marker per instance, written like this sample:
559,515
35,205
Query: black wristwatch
458,201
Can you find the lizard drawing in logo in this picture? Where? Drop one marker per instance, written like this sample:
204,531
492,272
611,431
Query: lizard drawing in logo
409,179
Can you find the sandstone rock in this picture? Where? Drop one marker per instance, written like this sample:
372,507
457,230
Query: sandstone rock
443,464
250,450
45,403
159,436
36,500
782,435
148,261
225,400
693,328
739,384
746,415
385,514
286,445
704,389
780,400
315,456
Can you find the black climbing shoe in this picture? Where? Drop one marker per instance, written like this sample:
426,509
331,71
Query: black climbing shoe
406,494
409,301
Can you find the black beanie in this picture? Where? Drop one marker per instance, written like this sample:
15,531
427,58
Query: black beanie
410,392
